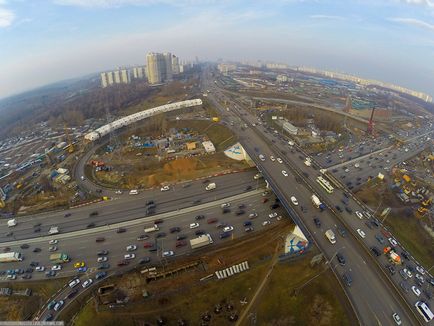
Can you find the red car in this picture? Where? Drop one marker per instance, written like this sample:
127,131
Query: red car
264,200
123,263
181,243
212,220
159,221
148,245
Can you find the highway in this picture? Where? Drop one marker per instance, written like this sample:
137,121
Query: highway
128,207
374,297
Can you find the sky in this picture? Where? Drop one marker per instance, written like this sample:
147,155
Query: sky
44,41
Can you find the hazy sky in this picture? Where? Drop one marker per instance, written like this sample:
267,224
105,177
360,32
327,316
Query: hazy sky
42,41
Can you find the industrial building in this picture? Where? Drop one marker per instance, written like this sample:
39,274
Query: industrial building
290,128
125,121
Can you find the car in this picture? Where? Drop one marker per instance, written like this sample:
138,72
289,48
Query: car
103,266
284,173
341,259
225,205
253,215
144,260
36,250
342,231
24,246
199,217
52,248
212,220
405,255
240,212
228,228
271,215
393,242
56,267
317,222
94,213
121,230
118,192
194,225
50,273
274,206
408,272
82,269
90,225
347,278
294,200
102,259
165,188
147,244
53,242
181,237
123,263
279,160
247,223
131,247
265,223
39,268
199,232
379,238
272,158
419,278
261,157
74,283
160,235
359,215
181,243
154,248
397,319
71,294
79,264
58,305
391,269
168,253
403,274
175,229
142,237
224,235
158,221
102,253
37,229
376,251
339,208
349,210
49,317
248,229
405,286
368,224
87,283
361,233
100,239
100,275
34,264
129,256
420,270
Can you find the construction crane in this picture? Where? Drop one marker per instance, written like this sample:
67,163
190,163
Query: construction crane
370,129
68,138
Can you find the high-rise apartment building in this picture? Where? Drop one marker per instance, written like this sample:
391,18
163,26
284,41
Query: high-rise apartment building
168,66
109,78
104,82
117,76
156,67
125,76
175,65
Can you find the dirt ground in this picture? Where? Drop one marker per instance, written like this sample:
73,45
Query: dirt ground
186,297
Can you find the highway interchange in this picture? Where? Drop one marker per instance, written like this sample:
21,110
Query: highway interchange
374,294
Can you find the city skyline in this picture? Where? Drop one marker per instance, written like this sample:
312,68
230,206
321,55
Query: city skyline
389,41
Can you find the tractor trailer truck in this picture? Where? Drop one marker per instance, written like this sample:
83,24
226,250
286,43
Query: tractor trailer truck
10,257
201,241
59,258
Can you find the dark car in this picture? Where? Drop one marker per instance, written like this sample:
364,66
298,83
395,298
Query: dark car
241,206
274,206
50,274
94,213
49,317
67,215
339,208
240,212
24,246
200,217
153,248
342,231
72,294
349,210
150,202
175,229
247,223
160,235
225,235
212,220
36,230
159,221
144,260
123,262
121,230
380,239
181,237
347,278
100,275
181,243
341,259
391,269
26,276
317,222
199,232
368,224
376,251
28,270
34,264
100,239
248,188
37,250
90,225
226,210
103,266
405,255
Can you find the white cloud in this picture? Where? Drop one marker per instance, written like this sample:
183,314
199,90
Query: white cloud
120,3
426,3
327,17
413,22
6,16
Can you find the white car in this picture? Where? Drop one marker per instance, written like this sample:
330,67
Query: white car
265,223
272,158
359,215
262,157
129,256
420,270
225,205
165,188
279,160
168,253
87,283
361,233
420,278
294,200
40,268
194,225
52,248
54,241
11,277
131,247
102,259
253,215
397,319
118,192
393,242
58,305
415,290
271,215
409,274
228,228
284,173
74,283
56,268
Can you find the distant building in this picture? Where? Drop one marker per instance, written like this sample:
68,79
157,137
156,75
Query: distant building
224,68
209,146
138,72
109,78
167,74
276,66
290,128
117,76
282,78
191,145
159,67
125,76
348,105
175,65
104,82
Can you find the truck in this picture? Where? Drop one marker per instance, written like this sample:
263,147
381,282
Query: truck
152,229
317,203
331,236
10,257
257,176
291,143
201,241
53,230
392,255
211,186
59,258
12,223
308,161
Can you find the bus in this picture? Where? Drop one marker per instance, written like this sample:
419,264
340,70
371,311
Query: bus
325,184
423,309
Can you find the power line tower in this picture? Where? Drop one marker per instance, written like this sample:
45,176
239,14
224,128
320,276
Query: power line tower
370,129
114,142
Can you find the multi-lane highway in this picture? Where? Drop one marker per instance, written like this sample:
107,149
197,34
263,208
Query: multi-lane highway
374,297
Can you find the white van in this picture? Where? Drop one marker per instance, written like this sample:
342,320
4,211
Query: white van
12,223
134,192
